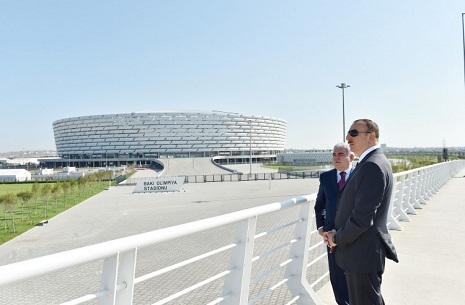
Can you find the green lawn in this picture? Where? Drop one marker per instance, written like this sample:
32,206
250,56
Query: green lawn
15,188
19,213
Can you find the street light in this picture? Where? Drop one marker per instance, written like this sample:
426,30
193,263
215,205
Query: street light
250,137
343,86
463,40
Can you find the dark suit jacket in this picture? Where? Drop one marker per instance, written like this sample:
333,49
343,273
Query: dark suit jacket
362,236
326,200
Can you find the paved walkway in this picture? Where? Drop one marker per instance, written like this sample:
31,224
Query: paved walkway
431,251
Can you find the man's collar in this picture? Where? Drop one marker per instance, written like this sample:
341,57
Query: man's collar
366,152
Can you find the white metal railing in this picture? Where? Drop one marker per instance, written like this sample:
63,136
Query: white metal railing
413,188
303,247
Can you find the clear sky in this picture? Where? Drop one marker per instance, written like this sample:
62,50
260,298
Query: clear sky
404,61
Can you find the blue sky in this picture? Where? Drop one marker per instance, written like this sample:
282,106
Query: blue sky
404,62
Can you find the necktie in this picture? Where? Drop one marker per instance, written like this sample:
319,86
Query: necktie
342,181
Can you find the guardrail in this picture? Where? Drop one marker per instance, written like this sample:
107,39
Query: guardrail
237,177
259,264
413,188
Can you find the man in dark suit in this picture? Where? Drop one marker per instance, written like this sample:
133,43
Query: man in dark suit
361,235
325,212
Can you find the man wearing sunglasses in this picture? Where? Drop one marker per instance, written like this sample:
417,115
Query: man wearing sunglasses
331,182
361,234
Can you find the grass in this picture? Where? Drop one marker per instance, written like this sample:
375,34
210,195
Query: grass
14,188
50,201
24,217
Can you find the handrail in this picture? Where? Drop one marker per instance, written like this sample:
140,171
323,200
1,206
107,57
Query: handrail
412,189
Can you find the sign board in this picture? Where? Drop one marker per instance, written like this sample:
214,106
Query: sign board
157,185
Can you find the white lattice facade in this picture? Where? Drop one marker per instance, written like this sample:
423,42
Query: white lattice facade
168,134
305,158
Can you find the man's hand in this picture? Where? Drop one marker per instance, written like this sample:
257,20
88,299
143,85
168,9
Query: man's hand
328,238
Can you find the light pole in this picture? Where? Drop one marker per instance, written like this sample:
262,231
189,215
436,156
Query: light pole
343,86
463,40
250,135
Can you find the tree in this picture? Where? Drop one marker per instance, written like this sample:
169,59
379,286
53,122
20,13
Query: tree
56,190
66,186
8,202
46,191
35,191
25,198
73,184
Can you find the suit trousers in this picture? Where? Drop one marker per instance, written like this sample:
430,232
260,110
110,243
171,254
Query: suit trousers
338,281
365,288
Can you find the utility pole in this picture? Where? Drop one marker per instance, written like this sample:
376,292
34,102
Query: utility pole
343,86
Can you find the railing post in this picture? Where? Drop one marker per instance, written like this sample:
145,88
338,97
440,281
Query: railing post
424,186
429,182
415,190
108,282
236,284
296,271
410,194
403,196
126,275
395,206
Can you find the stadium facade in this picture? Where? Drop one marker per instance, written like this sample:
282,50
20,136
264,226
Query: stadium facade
140,138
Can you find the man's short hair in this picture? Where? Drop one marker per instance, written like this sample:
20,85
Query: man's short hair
371,126
346,146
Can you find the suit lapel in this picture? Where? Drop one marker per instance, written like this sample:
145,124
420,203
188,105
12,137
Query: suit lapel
358,166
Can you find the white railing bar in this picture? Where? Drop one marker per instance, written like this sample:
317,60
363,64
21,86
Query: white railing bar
87,297
220,299
271,270
58,261
181,264
277,228
318,244
266,253
191,288
317,259
264,293
292,301
93,295
319,279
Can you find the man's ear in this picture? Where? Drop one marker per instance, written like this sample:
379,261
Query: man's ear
351,157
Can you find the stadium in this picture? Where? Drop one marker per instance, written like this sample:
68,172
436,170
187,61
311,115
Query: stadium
140,138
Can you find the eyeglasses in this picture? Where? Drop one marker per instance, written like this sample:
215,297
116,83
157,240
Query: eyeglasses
355,132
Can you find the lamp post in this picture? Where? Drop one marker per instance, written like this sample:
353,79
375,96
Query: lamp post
250,135
463,40
343,86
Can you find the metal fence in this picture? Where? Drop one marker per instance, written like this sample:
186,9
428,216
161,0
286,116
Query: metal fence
237,177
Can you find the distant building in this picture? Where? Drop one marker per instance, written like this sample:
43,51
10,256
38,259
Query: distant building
44,171
305,158
14,175
19,161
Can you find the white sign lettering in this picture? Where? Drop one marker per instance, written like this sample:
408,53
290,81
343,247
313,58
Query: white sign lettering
170,184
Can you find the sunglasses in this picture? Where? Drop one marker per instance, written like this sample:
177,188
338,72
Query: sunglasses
355,132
